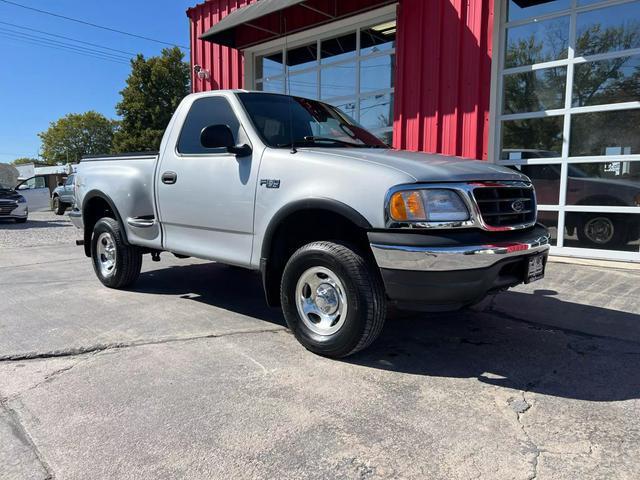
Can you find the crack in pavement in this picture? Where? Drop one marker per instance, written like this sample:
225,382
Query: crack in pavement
77,351
19,431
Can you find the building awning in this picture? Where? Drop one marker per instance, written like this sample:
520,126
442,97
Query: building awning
268,19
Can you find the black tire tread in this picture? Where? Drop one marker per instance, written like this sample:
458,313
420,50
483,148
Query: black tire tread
367,280
129,261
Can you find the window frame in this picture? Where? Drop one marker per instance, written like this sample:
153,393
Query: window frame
326,32
497,117
212,152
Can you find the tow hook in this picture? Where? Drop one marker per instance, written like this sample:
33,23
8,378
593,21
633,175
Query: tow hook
155,256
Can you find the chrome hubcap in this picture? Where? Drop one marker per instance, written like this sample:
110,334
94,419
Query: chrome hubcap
106,248
599,230
321,300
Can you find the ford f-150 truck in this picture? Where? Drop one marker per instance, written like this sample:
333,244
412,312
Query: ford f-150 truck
338,224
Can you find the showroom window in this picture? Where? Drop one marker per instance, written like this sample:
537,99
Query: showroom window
568,116
352,69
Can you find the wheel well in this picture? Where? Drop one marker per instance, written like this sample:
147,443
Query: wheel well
298,229
95,208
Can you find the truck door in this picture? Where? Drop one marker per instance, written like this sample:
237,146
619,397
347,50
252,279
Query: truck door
206,196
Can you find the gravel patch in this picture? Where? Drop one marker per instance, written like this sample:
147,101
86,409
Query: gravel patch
42,228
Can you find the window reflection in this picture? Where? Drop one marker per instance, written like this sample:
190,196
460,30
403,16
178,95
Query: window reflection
516,12
535,90
338,80
607,81
378,38
304,84
377,111
532,138
537,42
348,107
605,133
608,183
272,85
605,231
338,48
608,29
377,73
302,57
269,65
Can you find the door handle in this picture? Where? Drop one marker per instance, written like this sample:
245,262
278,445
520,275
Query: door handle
169,178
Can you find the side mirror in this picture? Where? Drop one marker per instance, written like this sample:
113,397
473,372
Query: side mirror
220,136
217,136
60,184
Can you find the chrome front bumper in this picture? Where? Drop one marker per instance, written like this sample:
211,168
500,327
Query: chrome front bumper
458,257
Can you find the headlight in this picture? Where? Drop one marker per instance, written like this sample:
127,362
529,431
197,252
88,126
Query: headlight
21,199
428,205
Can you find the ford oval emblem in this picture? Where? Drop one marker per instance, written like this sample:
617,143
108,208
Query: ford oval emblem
517,206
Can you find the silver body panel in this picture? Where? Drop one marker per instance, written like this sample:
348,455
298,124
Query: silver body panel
219,209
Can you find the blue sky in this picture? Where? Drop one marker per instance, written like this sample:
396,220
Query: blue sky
40,84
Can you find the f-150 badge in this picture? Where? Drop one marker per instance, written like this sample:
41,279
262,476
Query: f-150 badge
270,183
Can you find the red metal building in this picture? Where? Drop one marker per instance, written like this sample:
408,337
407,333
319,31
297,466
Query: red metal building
439,106
515,82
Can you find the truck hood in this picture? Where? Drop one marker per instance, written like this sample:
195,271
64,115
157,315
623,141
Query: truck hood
425,167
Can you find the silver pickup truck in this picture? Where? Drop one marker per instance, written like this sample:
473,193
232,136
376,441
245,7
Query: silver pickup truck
338,224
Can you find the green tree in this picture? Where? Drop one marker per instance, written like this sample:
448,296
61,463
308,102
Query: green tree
26,160
154,89
75,135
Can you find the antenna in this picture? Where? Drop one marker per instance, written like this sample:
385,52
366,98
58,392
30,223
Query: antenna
288,87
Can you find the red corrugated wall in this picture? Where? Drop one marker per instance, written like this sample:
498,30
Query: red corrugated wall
225,64
444,76
443,71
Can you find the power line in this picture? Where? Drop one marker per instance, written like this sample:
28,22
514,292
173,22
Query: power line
77,48
49,41
67,38
83,22
59,47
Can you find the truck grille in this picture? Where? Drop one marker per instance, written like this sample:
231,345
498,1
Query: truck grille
7,207
506,206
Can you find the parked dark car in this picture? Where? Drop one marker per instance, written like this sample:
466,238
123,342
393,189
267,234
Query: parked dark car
593,184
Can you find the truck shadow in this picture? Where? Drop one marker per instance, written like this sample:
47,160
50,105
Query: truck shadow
495,348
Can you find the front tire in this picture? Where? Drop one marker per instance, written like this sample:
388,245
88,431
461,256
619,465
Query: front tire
333,299
58,206
116,265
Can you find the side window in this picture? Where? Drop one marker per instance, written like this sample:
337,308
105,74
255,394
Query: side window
204,112
32,184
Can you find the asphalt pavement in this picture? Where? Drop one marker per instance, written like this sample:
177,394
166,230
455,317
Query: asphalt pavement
189,375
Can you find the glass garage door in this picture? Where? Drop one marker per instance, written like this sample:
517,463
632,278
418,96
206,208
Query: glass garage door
352,69
569,118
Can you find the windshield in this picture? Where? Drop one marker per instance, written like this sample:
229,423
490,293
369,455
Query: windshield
314,123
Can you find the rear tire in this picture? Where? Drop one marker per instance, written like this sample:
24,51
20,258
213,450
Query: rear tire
58,206
116,265
333,299
597,230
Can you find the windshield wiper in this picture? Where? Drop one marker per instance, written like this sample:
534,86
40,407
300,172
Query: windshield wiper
313,139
